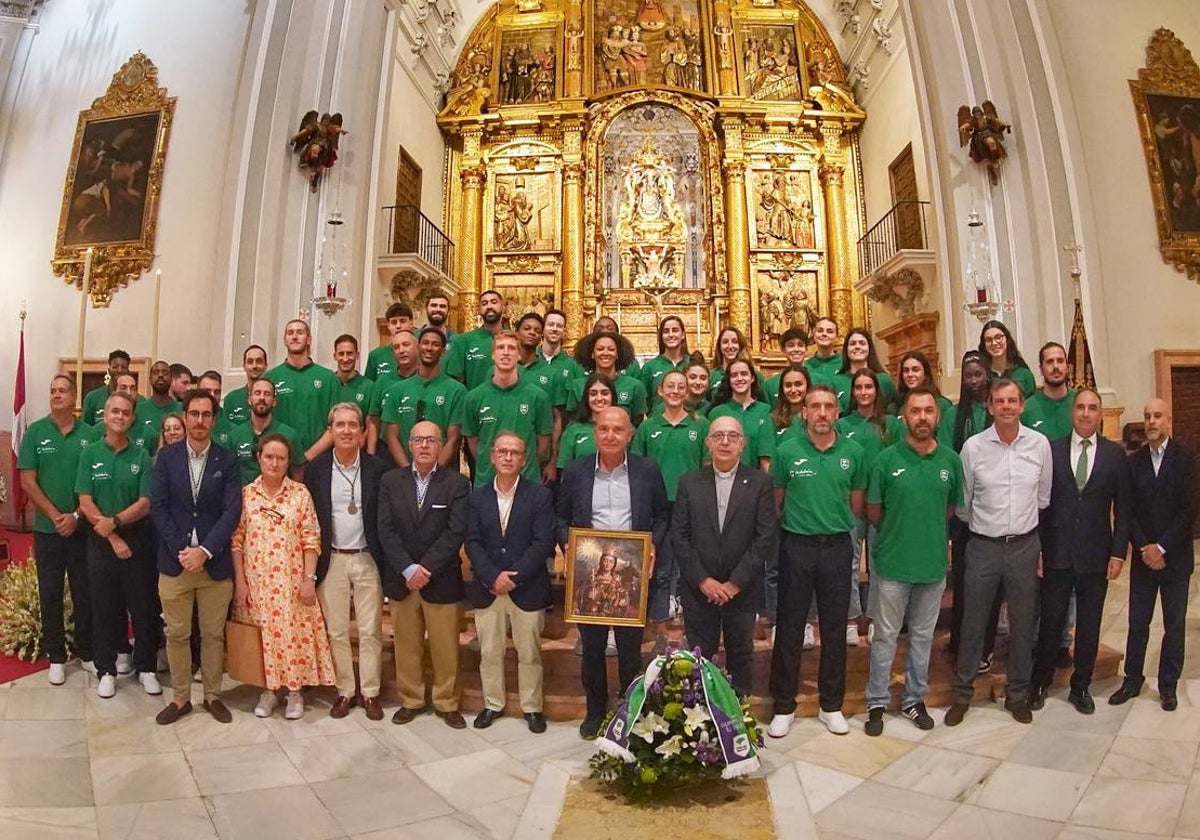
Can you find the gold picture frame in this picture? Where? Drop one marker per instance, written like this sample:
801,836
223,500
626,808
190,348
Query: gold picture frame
111,194
1166,97
613,593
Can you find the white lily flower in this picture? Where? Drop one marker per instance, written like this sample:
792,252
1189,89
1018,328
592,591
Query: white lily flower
671,746
695,718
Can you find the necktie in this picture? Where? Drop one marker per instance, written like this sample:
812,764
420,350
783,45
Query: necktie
1081,471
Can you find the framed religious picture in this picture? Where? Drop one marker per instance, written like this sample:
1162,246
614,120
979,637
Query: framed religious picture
1166,96
608,576
526,70
782,215
110,199
646,42
770,62
787,297
523,213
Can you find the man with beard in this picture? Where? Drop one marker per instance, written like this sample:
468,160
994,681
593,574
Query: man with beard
353,386
536,370
437,310
1049,410
244,438
210,382
237,401
93,400
470,357
405,360
430,395
181,381
304,390
152,409
399,316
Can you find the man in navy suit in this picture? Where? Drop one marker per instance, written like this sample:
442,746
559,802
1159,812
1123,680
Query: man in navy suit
510,537
612,491
1164,510
1084,534
195,504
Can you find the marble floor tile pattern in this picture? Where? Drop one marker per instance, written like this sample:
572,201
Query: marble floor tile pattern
75,766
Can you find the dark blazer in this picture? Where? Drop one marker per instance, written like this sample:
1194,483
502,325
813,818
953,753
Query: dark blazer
647,495
524,547
318,475
431,536
739,552
1164,505
214,513
1081,530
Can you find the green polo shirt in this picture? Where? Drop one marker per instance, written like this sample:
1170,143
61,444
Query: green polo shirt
114,480
469,358
438,400
631,394
821,371
915,491
975,424
841,384
236,406
143,433
771,389
718,373
817,485
303,397
1048,416
521,408
1023,376
358,390
866,434
383,385
564,365
55,456
578,439
381,360
147,411
797,428
653,372
546,377
756,426
634,370
675,448
243,442
93,405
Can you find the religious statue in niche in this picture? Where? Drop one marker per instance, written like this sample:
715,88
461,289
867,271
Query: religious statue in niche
783,211
523,213
771,63
982,129
317,144
527,71
651,227
786,299
643,43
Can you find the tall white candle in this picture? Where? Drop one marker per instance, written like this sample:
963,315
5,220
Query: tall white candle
154,320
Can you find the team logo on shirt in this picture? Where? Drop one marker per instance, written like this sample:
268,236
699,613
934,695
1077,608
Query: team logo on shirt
439,400
845,462
945,474
850,434
359,397
692,435
623,396
654,435
543,380
1035,424
317,383
523,408
580,439
135,468
900,472
474,354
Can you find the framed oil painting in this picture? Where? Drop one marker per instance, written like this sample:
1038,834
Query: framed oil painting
526,70
608,577
772,66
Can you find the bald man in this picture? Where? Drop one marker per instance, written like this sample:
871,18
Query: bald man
1163,511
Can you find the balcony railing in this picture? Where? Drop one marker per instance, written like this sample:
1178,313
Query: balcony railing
412,232
903,228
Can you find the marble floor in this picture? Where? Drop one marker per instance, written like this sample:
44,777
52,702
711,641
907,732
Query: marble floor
75,766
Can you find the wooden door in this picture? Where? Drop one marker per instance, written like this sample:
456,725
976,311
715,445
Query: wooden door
902,175
408,205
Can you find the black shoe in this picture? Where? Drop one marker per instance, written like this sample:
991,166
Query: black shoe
1082,701
1020,711
985,664
956,713
919,716
219,711
1125,693
1169,701
590,728
1064,659
172,713
1037,697
537,723
404,715
486,718
874,724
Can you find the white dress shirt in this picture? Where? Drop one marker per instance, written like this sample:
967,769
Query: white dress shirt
345,484
612,506
504,501
197,461
1005,485
1156,455
1077,449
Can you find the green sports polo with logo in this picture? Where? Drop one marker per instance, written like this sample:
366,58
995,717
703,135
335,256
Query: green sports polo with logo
578,439
113,479
551,381
521,408
358,390
1049,416
756,426
380,360
866,434
797,428
236,406
56,457
915,491
143,433
654,371
975,424
243,442
631,395
564,365
817,485
677,448
821,371
438,400
718,373
148,411
303,397
469,358
845,394
92,411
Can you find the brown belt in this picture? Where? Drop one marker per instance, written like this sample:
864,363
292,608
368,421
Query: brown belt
362,550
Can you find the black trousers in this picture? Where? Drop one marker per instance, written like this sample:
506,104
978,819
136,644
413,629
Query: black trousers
960,535
119,585
706,623
1090,588
1145,584
59,556
811,565
594,667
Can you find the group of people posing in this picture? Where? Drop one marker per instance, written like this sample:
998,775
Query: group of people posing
314,491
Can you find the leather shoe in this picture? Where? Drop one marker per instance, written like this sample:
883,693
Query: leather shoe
1082,701
486,718
1020,711
372,707
1037,697
341,706
590,728
1125,693
956,713
537,723
453,719
172,713
404,715
218,710
1169,701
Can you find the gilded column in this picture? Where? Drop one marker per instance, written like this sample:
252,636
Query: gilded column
837,246
572,237
470,241
737,253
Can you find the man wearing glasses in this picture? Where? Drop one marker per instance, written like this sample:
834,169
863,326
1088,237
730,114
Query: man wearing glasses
244,438
430,395
195,504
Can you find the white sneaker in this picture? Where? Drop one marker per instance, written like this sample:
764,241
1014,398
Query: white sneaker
871,633
835,722
610,649
150,683
57,674
295,706
266,704
107,687
124,663
89,666
810,637
780,725
852,634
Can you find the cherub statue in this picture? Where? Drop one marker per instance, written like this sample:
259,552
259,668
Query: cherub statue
317,144
983,129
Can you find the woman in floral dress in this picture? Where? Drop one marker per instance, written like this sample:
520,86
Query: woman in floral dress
275,551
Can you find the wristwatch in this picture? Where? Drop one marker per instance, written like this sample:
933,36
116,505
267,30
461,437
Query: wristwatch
116,521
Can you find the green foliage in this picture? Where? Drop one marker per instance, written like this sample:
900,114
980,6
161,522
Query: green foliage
21,614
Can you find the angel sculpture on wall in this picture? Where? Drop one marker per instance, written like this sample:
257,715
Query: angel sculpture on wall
983,129
317,144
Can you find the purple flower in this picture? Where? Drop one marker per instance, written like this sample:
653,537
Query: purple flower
689,697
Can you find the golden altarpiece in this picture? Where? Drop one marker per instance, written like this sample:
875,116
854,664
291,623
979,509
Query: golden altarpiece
635,158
